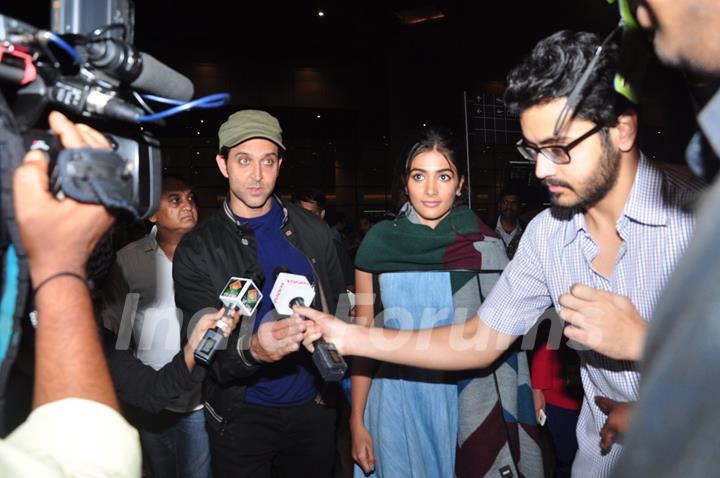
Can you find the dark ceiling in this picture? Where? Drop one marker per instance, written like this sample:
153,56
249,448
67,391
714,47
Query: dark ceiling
485,37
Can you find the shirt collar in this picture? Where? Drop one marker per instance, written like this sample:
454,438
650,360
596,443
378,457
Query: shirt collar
499,227
643,204
150,241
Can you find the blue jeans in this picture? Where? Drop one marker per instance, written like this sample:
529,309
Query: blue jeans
177,445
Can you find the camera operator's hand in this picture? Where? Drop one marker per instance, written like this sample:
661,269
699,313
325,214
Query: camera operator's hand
57,235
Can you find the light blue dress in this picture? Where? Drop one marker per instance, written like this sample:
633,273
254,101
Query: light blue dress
412,413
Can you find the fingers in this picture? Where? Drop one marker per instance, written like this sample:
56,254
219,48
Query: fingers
363,453
362,459
573,317
288,333
309,342
572,302
539,401
312,334
91,137
76,136
607,433
584,292
581,336
288,327
370,457
607,437
226,324
289,345
31,179
308,312
196,334
310,339
367,464
605,404
69,135
37,157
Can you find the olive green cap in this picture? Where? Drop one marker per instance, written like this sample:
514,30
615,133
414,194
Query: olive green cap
249,124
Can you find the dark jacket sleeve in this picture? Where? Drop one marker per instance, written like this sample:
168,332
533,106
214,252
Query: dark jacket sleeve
346,264
142,386
336,280
194,293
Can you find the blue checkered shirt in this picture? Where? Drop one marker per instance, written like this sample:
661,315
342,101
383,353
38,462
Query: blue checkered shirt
557,251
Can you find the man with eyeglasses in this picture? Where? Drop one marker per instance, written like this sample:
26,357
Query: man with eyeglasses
604,250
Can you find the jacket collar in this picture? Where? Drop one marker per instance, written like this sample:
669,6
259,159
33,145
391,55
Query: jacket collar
230,215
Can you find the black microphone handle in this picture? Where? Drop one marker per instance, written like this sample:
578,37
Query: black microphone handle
329,362
211,341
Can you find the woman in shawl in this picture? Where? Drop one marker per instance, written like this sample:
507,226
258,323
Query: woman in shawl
432,266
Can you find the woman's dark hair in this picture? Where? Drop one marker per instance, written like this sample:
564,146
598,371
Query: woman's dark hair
553,69
432,140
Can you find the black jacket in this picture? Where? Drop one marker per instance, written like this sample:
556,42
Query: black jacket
141,386
221,248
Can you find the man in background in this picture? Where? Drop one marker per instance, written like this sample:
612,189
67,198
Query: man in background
174,441
508,224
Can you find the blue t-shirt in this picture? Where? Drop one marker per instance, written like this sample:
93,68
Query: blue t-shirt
290,381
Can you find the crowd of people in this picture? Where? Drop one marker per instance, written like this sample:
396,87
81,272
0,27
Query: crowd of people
617,383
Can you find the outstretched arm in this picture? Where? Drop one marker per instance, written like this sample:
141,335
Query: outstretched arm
453,347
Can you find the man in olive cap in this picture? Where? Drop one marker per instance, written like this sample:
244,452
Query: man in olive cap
266,412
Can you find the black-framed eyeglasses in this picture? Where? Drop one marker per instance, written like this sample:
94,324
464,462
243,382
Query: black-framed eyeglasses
558,154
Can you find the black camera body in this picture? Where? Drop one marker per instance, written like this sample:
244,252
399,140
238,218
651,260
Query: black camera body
96,84
124,178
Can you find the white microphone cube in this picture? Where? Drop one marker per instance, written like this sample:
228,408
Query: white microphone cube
288,287
242,294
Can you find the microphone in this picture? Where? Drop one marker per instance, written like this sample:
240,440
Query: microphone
140,70
159,79
294,289
239,294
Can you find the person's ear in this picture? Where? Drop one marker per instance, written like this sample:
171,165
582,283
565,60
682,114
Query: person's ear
626,130
458,190
222,164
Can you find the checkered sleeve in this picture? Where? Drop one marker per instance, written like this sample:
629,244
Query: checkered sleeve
521,294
